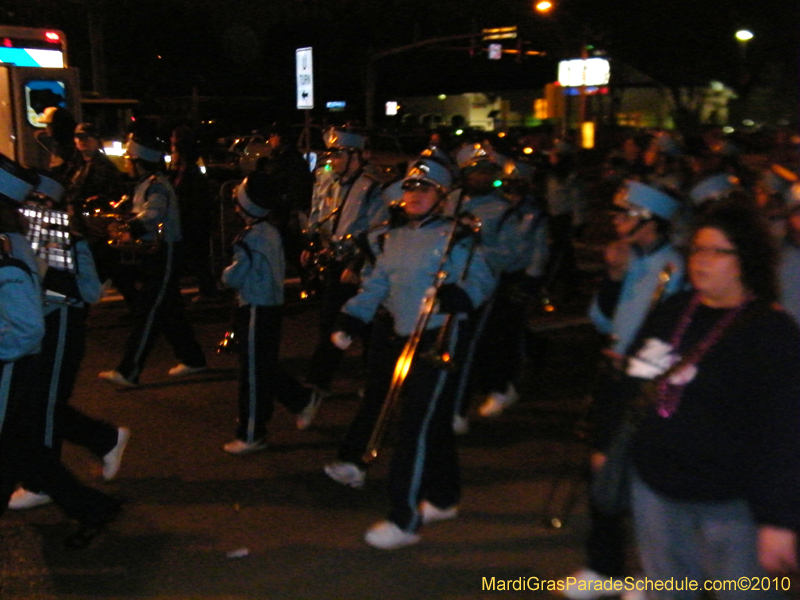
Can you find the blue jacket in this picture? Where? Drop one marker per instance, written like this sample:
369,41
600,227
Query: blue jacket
789,277
522,240
407,268
509,237
21,318
155,205
76,289
258,268
636,295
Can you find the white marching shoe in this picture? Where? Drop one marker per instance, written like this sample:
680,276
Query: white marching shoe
346,473
239,447
113,460
497,402
385,535
22,499
584,585
434,514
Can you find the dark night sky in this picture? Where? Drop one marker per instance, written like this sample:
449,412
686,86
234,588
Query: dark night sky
246,47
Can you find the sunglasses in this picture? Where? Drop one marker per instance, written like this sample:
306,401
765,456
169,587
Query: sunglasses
411,185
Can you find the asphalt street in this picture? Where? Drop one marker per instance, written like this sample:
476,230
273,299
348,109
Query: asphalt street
200,524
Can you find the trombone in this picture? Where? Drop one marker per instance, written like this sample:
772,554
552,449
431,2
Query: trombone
408,354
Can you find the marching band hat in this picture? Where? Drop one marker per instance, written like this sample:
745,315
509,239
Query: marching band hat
256,194
430,171
515,169
16,182
345,140
714,187
653,201
143,149
50,188
475,155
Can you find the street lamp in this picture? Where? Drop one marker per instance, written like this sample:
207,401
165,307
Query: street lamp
744,36
543,6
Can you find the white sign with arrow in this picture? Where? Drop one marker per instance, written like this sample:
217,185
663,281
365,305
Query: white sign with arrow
305,78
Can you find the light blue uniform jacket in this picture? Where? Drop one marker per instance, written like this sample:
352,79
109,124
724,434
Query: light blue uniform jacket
21,317
789,274
87,280
636,296
258,268
155,204
407,268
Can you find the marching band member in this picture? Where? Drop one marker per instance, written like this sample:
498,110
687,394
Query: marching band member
638,265
523,232
424,475
346,201
480,168
257,274
642,220
21,320
68,291
22,453
158,306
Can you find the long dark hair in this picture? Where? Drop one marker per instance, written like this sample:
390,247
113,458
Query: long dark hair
748,230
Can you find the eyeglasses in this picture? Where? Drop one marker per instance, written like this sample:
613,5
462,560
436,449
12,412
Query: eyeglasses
712,251
412,185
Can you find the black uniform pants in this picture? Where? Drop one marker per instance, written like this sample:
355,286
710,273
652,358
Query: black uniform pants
24,456
159,308
63,349
424,463
326,357
501,347
262,378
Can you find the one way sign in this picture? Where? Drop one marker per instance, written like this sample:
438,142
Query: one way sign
305,78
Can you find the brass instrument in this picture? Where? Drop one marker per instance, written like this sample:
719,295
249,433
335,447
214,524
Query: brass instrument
319,256
439,354
664,277
323,249
114,224
408,354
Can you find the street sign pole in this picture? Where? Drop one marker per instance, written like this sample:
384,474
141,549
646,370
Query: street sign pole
305,89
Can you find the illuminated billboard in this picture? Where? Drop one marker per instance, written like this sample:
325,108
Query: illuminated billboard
584,71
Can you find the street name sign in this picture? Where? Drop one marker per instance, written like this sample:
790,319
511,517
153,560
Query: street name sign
305,78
